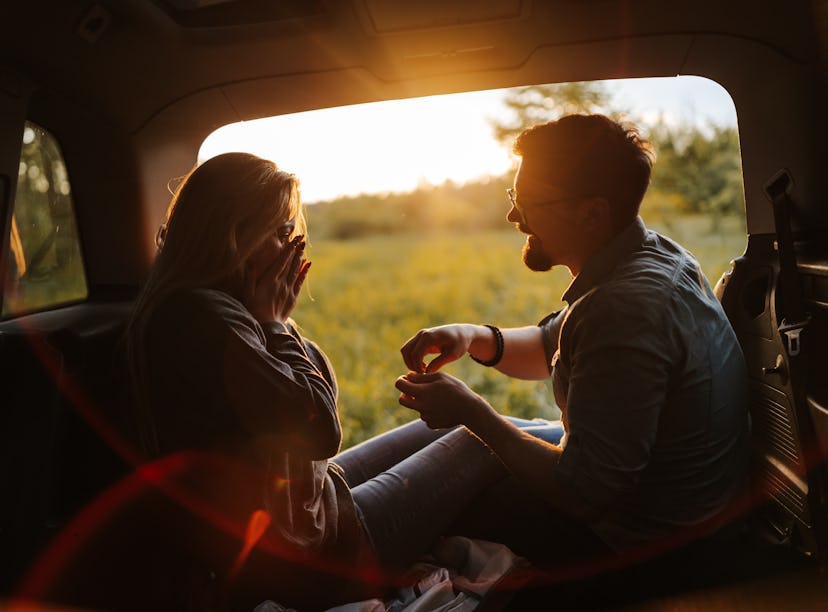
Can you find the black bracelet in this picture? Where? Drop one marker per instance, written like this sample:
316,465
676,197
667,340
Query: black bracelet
498,349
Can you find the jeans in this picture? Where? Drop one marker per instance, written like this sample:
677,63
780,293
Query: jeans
412,483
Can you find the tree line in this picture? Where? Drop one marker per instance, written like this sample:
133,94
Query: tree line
697,171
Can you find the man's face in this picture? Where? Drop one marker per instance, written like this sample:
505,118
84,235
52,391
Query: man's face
548,216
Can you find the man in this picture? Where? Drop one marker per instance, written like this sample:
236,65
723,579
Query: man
645,367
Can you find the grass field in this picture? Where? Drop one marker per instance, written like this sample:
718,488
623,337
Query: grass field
365,298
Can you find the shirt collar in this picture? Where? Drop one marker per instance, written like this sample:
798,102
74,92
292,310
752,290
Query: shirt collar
603,262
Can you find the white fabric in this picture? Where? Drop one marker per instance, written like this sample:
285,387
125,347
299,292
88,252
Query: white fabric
455,577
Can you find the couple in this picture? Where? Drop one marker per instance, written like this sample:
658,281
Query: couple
645,368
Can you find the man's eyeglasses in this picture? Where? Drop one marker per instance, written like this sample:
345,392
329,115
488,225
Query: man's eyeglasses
512,195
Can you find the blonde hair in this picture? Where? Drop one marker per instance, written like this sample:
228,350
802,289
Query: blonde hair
222,211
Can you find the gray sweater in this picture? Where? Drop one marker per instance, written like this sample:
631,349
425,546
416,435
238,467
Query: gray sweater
262,397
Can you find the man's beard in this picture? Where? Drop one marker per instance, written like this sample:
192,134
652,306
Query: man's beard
534,257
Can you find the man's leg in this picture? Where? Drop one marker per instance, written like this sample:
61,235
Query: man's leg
508,513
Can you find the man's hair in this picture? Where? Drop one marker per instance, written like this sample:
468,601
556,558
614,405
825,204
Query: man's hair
590,155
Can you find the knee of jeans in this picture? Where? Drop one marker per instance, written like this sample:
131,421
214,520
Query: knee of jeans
551,433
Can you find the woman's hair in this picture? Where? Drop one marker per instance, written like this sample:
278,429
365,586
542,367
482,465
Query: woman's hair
222,211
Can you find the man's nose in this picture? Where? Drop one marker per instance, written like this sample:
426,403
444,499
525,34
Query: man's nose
513,216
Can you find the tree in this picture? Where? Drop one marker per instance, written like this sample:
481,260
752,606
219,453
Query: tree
541,103
701,167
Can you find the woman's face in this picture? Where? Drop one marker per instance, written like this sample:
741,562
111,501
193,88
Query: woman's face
266,253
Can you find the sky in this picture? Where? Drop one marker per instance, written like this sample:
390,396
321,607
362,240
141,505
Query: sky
398,145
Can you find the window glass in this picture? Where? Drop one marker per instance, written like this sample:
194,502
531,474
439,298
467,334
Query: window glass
406,206
44,265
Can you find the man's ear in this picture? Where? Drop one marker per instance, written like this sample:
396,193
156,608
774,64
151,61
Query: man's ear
595,213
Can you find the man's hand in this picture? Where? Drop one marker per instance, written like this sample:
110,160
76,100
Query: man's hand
442,400
448,342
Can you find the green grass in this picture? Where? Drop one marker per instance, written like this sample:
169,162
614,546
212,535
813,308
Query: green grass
365,298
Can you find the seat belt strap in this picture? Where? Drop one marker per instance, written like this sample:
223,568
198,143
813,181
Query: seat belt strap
794,322
794,319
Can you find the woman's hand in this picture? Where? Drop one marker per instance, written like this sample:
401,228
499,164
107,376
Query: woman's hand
270,295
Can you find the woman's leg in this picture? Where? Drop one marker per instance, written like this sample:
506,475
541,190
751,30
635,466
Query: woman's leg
371,457
409,497
509,513
412,482
407,507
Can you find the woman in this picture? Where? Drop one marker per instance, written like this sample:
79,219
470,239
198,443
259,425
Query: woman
220,369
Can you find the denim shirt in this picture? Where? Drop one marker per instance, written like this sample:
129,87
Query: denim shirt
652,386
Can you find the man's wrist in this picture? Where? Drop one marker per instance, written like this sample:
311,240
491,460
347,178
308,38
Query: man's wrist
498,348
487,424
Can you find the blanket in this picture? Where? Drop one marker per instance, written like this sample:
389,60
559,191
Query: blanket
457,576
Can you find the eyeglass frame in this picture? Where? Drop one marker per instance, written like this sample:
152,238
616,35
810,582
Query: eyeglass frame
512,195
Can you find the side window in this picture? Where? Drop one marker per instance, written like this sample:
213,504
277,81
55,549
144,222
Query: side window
44,265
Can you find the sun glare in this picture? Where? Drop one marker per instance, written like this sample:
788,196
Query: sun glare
398,145
378,147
